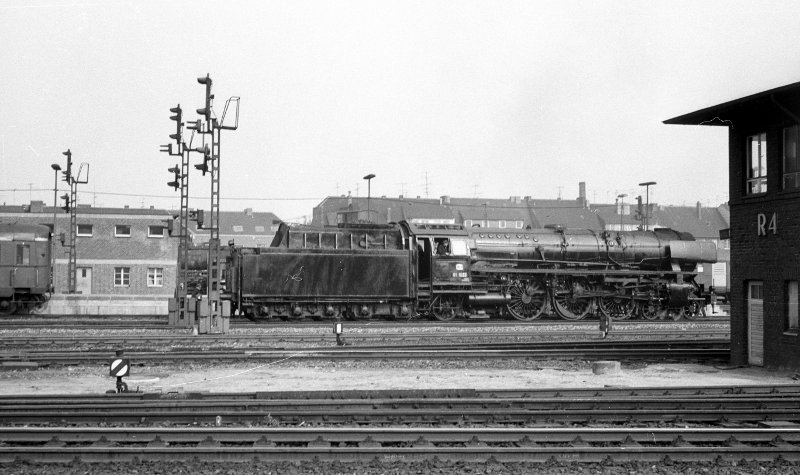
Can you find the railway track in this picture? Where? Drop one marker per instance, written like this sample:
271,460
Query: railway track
614,425
712,349
84,322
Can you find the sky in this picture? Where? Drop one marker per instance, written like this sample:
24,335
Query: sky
486,99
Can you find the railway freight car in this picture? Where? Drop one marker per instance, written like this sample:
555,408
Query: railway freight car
446,271
25,272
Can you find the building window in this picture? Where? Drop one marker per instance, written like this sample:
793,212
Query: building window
518,224
122,277
23,255
791,158
122,230
791,306
260,229
237,228
85,230
757,164
153,231
501,223
155,277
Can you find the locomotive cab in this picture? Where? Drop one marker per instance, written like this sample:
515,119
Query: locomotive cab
443,270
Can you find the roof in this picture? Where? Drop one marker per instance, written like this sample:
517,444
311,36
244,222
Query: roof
699,222
784,98
245,222
573,218
39,208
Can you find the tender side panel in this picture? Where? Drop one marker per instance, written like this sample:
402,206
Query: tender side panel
289,273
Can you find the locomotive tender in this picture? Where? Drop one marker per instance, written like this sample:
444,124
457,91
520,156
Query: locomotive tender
25,272
446,271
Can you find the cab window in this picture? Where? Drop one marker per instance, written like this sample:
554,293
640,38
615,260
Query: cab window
459,247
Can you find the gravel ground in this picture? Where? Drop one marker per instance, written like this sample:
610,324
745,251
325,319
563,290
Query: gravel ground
396,468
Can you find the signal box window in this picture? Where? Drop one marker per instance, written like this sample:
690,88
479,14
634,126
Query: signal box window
757,164
85,230
154,231
791,158
122,230
792,301
155,277
122,277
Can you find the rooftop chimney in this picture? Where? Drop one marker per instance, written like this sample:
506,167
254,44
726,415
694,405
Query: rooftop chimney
699,211
445,200
248,212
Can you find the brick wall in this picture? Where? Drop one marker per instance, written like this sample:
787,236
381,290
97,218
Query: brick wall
773,258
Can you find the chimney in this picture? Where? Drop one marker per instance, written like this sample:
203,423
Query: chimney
699,211
445,200
582,194
248,212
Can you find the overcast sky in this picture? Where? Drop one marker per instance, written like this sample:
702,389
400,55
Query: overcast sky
485,99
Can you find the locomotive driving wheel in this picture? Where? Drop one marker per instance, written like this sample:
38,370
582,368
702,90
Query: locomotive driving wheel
445,308
527,299
571,297
694,308
620,306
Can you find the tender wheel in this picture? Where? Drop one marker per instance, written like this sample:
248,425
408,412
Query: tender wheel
528,300
7,307
445,308
570,300
619,306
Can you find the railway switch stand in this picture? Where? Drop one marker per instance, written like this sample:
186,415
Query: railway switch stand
338,327
120,367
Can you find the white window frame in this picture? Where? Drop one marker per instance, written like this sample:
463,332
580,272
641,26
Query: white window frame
122,277
792,154
80,234
117,229
150,231
237,228
155,277
756,184
792,302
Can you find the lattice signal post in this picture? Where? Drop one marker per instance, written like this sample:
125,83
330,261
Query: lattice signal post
71,207
211,317
180,308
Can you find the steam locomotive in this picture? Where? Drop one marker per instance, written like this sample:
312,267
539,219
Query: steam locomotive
25,272
407,269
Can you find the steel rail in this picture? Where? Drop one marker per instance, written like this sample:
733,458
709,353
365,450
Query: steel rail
64,444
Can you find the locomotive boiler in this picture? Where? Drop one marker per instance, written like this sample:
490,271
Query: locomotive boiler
446,271
25,273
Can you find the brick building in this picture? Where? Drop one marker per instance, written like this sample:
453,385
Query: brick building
764,187
126,260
